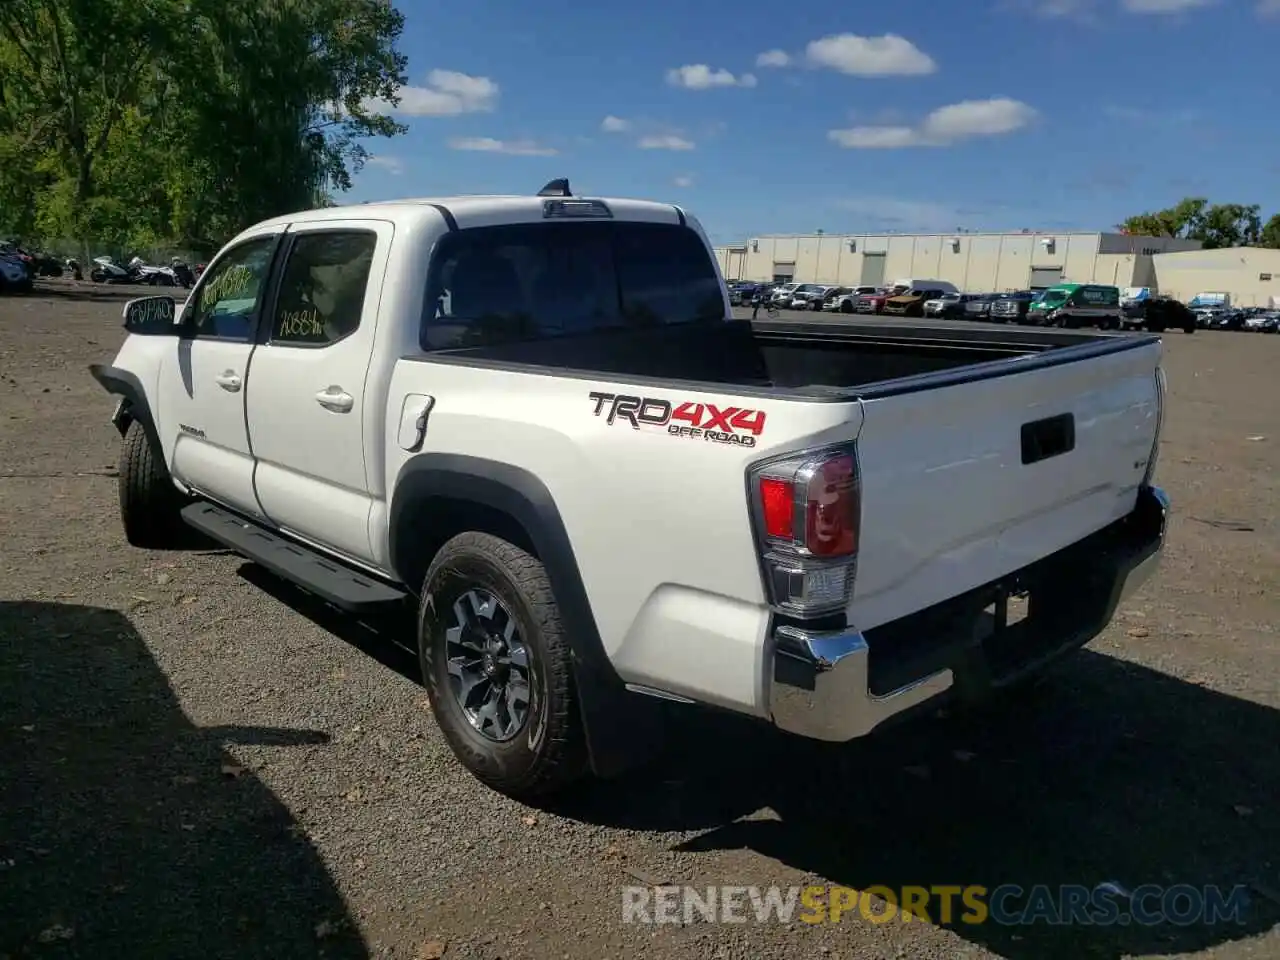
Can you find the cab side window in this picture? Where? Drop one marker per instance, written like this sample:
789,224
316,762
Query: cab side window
323,288
226,302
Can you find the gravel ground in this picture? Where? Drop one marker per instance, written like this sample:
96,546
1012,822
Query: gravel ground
195,761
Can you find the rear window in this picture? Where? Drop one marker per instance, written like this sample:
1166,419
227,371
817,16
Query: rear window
490,285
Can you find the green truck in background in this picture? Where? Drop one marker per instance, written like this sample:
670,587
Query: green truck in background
1076,305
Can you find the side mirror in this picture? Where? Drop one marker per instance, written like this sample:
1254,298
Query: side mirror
151,316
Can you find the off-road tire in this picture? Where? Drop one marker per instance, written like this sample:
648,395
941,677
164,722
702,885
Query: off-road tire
549,753
150,504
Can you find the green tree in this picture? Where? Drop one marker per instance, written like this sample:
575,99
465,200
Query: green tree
71,69
274,106
132,122
1229,225
1180,220
1269,236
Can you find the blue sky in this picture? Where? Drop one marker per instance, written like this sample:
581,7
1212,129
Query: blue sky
763,117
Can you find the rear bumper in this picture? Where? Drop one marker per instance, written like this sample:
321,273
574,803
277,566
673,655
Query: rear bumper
839,685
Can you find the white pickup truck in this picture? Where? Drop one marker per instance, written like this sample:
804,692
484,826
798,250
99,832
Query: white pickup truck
534,420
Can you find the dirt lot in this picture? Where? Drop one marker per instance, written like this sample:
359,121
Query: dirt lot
197,762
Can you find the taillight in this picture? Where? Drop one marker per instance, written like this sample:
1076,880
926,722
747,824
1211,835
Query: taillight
808,510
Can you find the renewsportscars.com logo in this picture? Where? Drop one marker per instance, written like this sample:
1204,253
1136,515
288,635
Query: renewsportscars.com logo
1007,905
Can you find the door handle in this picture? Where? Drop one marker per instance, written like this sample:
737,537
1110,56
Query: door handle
228,380
335,399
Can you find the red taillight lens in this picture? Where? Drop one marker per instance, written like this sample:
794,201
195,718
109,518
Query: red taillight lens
777,503
831,511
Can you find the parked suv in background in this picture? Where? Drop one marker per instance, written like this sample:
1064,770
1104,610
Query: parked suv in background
847,302
937,307
1010,307
911,303
782,294
874,302
809,296
1159,314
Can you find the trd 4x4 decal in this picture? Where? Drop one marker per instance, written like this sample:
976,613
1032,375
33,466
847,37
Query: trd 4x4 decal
698,421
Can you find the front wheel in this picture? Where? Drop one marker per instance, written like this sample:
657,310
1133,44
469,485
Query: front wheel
150,504
498,668
97,276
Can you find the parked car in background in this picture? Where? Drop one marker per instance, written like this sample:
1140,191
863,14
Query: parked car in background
782,294
1158,314
809,296
979,308
1268,321
873,302
911,303
1073,305
847,302
15,274
937,306
1206,317
833,294
1011,307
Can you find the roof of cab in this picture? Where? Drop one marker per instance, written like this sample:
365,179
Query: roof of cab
462,206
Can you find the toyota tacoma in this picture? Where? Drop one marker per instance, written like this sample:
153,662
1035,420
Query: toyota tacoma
534,422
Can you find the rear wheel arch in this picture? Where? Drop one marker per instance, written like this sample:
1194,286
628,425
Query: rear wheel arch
438,496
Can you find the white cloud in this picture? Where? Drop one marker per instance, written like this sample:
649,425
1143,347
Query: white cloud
612,124
699,76
1269,8
886,56
448,93
393,165
683,181
876,138
773,58
666,141
1164,6
949,124
515,148
977,118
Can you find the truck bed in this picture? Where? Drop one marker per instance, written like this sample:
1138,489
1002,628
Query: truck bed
845,358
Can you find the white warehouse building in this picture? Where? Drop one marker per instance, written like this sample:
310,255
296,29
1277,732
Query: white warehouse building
974,262
1250,276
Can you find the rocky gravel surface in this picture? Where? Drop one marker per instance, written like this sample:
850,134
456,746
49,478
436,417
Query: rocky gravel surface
197,761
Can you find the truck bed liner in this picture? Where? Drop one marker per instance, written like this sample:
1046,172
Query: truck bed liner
841,359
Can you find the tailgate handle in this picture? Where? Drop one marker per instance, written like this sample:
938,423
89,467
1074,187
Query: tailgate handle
1051,437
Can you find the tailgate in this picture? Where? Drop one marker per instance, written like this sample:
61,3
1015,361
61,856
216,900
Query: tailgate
949,503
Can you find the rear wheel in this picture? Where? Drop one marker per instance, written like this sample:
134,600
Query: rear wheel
150,504
497,667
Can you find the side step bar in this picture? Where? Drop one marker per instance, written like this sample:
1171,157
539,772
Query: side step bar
344,587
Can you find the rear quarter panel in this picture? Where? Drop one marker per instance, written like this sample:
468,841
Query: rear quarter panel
659,523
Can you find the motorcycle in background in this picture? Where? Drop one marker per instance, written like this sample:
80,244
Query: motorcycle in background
106,270
182,273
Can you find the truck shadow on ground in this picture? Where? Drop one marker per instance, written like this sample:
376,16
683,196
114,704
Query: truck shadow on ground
125,830
1111,773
